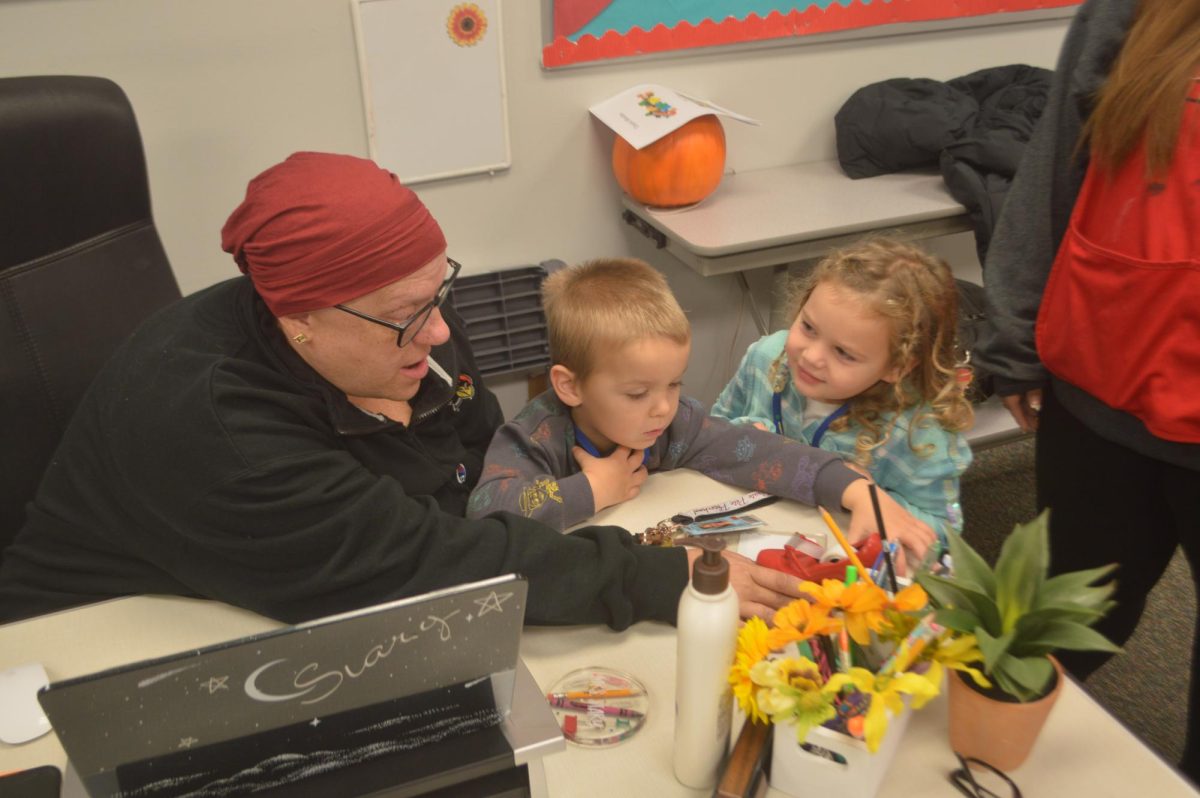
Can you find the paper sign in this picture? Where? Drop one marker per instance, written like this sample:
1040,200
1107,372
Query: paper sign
644,114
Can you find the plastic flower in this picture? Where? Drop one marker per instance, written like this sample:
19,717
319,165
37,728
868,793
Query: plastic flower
954,652
800,620
752,648
861,604
792,691
910,599
885,692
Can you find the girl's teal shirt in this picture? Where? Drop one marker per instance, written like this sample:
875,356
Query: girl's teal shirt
919,463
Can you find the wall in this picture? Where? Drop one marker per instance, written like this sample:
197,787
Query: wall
225,88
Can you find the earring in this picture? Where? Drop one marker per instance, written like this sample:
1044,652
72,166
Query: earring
300,339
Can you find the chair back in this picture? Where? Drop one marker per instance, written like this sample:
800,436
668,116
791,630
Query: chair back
81,263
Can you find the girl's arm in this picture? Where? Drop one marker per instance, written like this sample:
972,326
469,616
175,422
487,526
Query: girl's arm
925,482
747,397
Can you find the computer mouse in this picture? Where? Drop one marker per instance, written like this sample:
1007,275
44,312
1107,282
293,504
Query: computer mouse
22,718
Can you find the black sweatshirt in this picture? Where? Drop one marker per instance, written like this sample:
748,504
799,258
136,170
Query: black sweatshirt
207,459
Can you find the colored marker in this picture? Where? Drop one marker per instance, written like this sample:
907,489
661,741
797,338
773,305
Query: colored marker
579,706
573,694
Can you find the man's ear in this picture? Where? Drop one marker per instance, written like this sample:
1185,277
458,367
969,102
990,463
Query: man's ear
296,325
565,384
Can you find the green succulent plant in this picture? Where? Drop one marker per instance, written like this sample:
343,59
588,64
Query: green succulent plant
1019,615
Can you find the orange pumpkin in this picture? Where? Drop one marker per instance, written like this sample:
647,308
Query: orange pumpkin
681,168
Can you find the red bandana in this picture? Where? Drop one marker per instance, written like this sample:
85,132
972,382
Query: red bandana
320,229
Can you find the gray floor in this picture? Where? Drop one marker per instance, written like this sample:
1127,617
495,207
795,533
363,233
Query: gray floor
1146,687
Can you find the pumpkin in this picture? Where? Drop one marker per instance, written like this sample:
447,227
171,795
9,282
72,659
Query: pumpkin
681,168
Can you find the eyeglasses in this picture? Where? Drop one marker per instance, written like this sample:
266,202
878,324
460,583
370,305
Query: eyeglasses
407,330
978,779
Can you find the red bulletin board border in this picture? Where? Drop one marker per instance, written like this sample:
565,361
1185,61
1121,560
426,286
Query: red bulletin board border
563,52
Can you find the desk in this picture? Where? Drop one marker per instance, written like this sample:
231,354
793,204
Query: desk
1083,750
773,217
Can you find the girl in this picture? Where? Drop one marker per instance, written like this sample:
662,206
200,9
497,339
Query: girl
867,369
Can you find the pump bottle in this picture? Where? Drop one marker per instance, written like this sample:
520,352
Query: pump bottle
707,640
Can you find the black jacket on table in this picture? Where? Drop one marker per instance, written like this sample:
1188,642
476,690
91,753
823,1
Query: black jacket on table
207,459
974,128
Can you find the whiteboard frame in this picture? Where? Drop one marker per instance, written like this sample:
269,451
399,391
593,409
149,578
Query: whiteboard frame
368,109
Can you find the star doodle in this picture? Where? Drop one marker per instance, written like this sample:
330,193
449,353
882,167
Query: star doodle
187,742
215,683
490,602
315,722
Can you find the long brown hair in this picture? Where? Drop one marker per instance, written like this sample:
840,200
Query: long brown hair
916,293
1147,87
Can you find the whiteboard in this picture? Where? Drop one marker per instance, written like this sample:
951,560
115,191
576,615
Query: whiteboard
433,86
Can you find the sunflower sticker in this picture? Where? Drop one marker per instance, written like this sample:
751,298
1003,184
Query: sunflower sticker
466,24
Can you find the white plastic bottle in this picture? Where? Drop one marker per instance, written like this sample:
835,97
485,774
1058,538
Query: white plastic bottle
707,640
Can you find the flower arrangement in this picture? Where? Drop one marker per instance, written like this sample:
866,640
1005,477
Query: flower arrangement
845,657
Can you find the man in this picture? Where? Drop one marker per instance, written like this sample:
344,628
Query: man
302,440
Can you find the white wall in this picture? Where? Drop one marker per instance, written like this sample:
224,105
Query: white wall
225,88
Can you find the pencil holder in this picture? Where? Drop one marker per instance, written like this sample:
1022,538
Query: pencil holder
832,763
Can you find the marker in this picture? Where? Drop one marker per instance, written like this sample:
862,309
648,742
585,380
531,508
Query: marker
574,694
579,706
851,575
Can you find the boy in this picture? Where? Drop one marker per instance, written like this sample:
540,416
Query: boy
619,343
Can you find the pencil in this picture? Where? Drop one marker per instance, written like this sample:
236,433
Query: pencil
883,538
845,544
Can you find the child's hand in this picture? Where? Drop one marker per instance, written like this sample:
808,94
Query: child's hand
615,478
914,535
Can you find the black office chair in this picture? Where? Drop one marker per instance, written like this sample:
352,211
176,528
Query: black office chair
81,264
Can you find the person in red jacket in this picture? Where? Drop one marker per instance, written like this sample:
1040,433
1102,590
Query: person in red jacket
1093,283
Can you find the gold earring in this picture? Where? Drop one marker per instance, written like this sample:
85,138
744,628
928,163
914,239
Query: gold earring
300,339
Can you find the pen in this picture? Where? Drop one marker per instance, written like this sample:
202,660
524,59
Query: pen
887,555
845,544
573,694
577,706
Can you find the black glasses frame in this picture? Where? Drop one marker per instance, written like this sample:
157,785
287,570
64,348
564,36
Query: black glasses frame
407,330
964,780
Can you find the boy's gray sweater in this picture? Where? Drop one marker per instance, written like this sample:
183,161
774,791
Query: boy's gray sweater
530,470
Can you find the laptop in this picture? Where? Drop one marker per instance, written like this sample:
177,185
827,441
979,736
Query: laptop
419,696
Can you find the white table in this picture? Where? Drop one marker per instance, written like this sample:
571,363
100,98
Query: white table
1083,750
786,214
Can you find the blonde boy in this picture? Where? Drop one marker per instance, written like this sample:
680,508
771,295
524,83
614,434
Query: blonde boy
619,343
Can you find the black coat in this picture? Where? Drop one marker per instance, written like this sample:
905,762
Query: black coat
974,128
207,459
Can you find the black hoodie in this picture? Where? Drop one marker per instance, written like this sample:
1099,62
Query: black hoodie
207,459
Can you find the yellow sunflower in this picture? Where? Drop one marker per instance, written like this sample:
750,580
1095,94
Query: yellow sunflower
800,620
466,24
862,605
752,648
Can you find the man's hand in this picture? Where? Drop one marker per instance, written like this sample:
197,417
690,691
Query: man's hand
760,590
1025,408
615,478
914,535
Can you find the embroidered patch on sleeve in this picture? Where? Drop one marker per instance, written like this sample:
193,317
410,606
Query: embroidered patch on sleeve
534,496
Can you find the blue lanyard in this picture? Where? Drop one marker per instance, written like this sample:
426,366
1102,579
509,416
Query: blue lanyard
777,412
591,449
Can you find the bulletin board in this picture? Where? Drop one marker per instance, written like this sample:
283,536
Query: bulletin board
582,31
433,86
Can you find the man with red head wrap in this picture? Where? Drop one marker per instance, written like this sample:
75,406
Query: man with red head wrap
302,441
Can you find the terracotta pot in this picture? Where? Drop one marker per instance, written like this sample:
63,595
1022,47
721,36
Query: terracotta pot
1001,733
